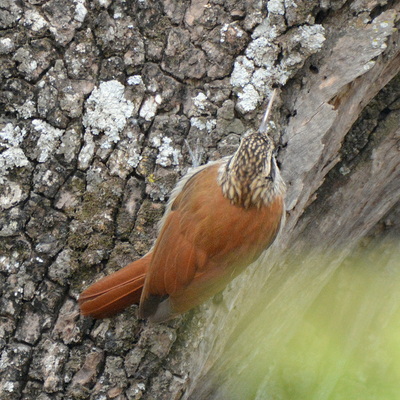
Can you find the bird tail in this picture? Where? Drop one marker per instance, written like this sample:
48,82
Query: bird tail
115,292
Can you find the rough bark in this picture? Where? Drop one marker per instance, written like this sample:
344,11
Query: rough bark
98,100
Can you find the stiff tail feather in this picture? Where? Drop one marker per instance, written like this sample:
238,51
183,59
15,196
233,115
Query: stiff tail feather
115,292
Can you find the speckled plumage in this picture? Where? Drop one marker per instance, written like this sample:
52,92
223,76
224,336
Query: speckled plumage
251,176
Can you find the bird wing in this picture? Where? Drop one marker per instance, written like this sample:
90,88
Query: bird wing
204,243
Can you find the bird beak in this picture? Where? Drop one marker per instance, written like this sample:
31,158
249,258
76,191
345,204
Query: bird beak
264,123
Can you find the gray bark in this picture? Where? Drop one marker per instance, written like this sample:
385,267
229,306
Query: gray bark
98,99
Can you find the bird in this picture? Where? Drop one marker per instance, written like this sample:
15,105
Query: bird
219,219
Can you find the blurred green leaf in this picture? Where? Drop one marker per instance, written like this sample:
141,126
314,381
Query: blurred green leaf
345,346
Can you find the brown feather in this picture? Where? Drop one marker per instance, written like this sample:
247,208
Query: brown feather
113,293
192,258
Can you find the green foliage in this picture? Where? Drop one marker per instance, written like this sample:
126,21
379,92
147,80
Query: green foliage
346,346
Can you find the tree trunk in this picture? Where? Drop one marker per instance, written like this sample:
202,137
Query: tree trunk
105,104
